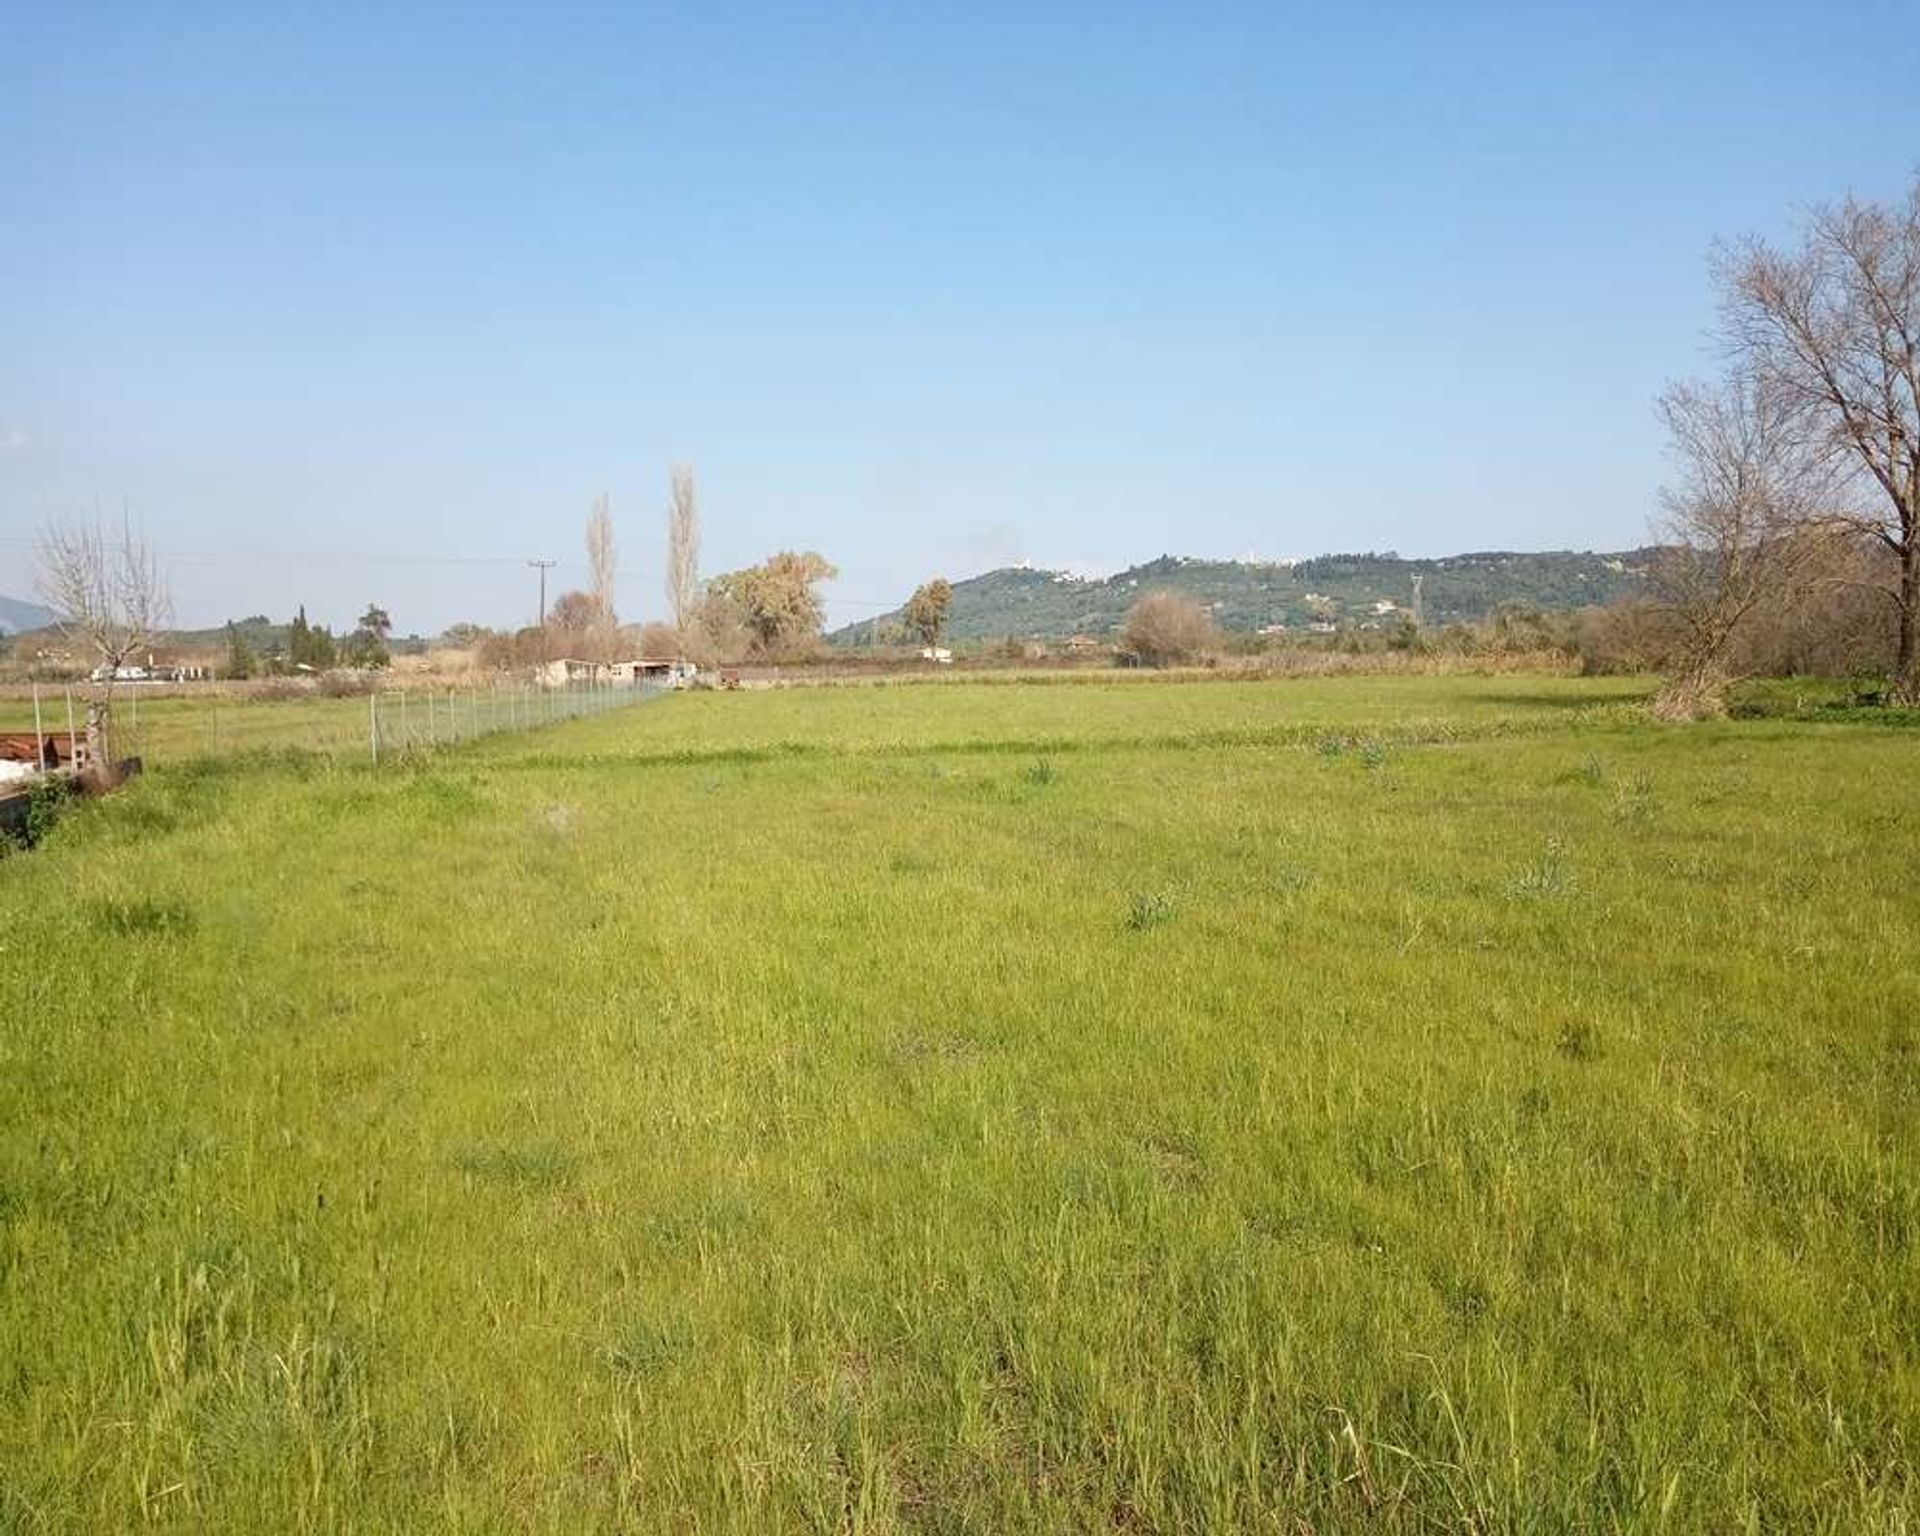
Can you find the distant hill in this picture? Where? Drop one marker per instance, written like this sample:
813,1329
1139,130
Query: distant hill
1245,597
17,616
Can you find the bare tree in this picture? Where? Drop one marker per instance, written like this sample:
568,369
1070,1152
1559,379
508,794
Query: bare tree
1834,327
683,547
111,601
717,632
1165,629
1741,522
577,616
601,561
658,642
1836,618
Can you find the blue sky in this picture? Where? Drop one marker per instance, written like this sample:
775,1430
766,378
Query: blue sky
367,303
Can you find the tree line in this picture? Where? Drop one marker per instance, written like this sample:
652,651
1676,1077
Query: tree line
313,647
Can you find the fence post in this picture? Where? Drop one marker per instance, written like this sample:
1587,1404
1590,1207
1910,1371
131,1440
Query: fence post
39,740
73,740
373,724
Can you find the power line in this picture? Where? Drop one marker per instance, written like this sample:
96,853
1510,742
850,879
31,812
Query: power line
543,566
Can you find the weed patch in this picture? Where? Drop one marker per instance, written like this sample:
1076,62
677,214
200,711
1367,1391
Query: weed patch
542,1165
1149,909
1579,1041
128,917
645,1347
1549,877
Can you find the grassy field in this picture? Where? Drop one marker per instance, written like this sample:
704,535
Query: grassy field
211,720
1372,1105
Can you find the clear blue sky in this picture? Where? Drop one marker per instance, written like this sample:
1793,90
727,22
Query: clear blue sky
336,297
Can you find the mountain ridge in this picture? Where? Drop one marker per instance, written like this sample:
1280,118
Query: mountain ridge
17,615
1370,589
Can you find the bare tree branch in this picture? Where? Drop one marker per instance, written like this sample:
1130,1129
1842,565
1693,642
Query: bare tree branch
1834,328
1741,521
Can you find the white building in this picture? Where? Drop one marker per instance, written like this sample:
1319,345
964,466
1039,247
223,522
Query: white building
572,672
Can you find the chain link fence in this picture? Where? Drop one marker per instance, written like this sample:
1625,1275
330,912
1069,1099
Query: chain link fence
376,724
401,720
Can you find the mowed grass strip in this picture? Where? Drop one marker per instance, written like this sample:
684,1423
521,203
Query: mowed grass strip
1350,1133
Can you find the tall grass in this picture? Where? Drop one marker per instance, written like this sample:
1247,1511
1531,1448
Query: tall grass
762,1112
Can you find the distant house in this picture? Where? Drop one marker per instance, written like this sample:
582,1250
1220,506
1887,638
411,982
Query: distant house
571,671
659,674
564,671
165,672
1082,645
1385,606
938,654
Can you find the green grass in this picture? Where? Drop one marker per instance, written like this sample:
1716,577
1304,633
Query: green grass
217,721
1373,1105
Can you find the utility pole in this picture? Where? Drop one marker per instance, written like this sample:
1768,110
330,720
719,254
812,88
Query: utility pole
543,566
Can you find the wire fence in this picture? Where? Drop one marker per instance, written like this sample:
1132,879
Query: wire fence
402,720
377,725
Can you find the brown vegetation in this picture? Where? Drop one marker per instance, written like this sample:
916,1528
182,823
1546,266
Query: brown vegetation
1831,328
775,603
1165,629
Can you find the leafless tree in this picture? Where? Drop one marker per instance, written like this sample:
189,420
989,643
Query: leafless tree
657,642
1741,522
1833,327
601,560
1835,619
717,632
577,617
1165,629
110,598
683,547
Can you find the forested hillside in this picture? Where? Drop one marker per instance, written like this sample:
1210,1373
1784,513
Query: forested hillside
1338,589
